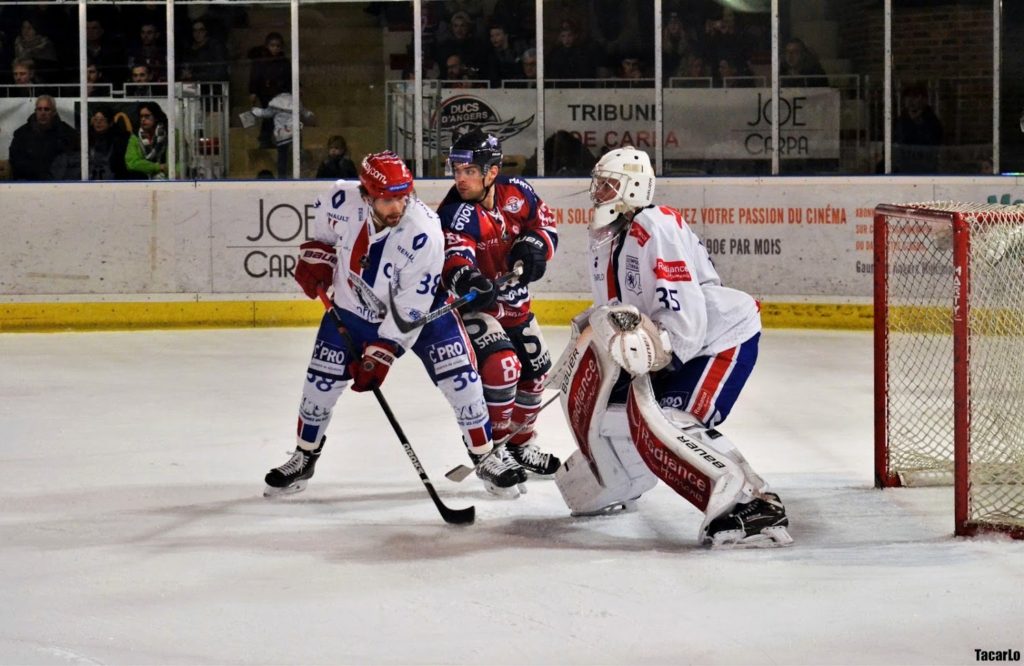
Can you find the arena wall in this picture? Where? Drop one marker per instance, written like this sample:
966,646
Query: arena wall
216,253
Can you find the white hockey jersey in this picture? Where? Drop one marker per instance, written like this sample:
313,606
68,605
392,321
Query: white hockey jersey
659,265
406,258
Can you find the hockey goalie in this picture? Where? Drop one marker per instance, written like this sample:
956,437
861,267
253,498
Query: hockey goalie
656,365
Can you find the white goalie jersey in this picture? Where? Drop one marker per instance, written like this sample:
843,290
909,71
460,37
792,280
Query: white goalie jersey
405,259
659,265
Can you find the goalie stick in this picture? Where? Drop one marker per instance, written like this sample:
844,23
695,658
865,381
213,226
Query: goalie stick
405,325
453,516
459,473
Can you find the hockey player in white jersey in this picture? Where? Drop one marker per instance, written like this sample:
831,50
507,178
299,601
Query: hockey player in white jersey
373,239
687,345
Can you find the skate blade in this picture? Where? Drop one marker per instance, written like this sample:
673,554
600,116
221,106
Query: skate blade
296,487
769,537
627,506
512,492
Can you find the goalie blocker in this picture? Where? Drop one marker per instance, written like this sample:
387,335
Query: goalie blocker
625,449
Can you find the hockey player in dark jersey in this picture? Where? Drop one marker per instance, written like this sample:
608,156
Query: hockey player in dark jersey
491,223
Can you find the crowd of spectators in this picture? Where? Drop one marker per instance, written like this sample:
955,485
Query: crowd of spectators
39,46
127,141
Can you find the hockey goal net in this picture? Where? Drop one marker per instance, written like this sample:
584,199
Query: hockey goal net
949,356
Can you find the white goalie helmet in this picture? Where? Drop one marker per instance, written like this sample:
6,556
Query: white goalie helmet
622,180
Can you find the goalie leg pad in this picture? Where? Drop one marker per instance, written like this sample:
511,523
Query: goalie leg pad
613,476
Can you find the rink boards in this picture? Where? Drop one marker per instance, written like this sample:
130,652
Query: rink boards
219,253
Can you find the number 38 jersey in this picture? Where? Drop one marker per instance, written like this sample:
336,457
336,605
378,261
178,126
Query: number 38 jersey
406,259
658,264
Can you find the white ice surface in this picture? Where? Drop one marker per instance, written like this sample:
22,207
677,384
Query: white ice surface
133,530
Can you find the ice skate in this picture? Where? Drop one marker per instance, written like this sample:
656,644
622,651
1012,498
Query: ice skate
623,506
292,477
759,523
532,459
501,474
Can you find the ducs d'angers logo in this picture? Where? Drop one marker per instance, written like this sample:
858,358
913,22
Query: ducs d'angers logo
462,114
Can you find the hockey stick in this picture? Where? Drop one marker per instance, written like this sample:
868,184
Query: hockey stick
405,325
459,473
453,516
366,295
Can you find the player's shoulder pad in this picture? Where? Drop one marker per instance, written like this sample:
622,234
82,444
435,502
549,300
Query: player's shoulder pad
516,181
641,228
458,217
418,216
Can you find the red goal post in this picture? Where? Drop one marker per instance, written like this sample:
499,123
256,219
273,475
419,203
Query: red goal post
949,356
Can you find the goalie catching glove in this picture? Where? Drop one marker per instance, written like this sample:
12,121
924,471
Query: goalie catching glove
466,280
315,269
368,373
635,342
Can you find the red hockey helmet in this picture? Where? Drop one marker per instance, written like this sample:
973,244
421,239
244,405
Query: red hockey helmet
385,175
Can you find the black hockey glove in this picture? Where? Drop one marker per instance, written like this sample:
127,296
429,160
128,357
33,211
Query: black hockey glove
468,279
532,251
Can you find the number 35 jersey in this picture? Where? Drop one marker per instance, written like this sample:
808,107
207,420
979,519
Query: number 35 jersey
658,264
406,259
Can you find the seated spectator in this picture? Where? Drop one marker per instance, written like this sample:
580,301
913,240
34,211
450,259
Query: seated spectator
565,155
106,53
570,58
502,57
456,74
695,72
475,10
280,109
528,63
519,18
338,164
140,86
95,86
526,76
800,67
723,40
617,28
265,174
631,67
677,44
45,147
108,143
150,51
23,75
271,75
734,74
206,58
35,46
146,155
463,42
916,134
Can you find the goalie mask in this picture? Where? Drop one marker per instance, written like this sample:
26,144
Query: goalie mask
622,181
385,176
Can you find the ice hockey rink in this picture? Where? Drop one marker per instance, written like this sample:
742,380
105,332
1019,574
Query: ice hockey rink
134,531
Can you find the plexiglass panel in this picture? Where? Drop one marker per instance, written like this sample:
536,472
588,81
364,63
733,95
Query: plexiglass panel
599,88
942,87
830,72
717,69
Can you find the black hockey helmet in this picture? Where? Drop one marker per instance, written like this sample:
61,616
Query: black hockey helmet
476,147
